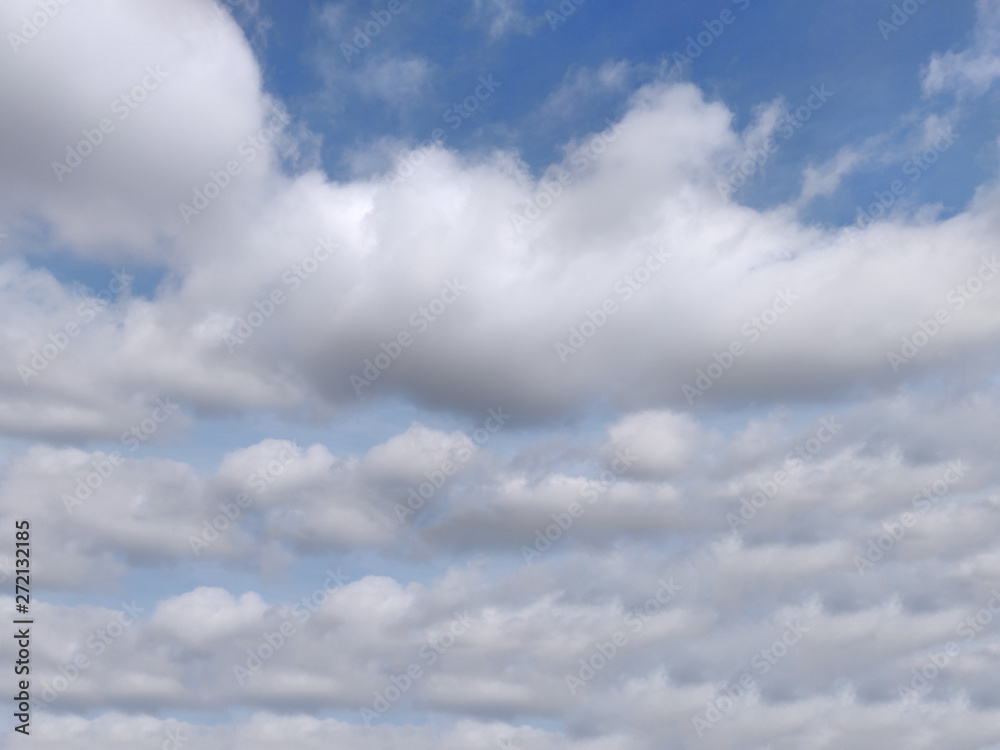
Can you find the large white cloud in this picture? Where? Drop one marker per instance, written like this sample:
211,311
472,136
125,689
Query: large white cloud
527,299
193,95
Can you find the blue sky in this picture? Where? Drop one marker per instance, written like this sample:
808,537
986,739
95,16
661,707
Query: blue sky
773,49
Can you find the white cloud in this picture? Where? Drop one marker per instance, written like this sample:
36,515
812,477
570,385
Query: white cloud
203,618
700,498
505,17
973,70
584,86
202,98
651,185
397,81
661,442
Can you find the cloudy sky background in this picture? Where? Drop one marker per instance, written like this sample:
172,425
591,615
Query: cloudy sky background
531,224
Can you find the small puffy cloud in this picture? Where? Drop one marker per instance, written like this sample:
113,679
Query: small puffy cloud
202,618
659,442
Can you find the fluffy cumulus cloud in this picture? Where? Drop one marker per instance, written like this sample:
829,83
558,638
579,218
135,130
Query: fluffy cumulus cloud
459,259
779,530
824,568
274,318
